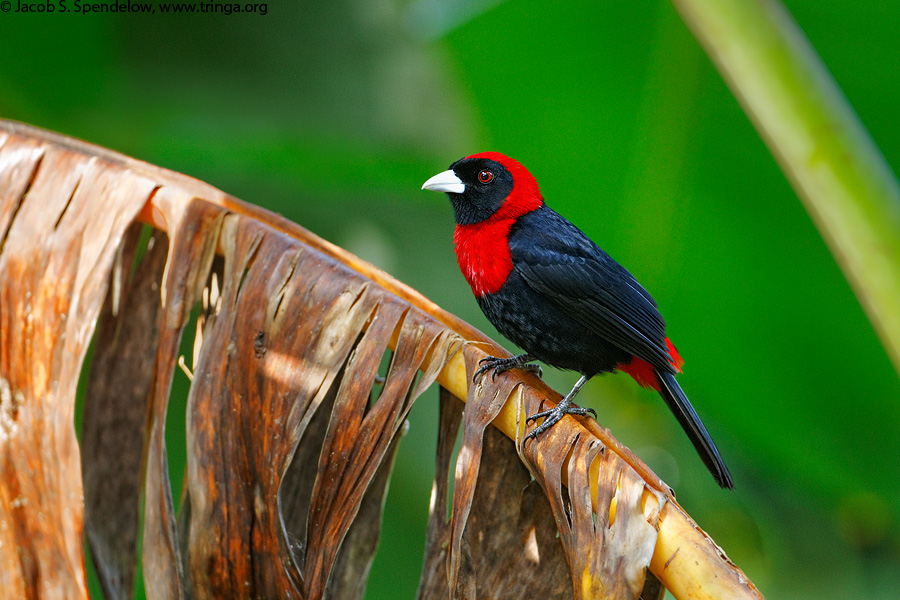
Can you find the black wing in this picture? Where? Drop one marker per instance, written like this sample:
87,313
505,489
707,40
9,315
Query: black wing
558,260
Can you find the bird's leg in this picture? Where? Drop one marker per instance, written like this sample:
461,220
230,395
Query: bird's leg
501,365
565,407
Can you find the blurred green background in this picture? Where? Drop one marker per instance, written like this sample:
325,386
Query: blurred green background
334,113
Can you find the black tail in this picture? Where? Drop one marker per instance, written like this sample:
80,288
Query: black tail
693,426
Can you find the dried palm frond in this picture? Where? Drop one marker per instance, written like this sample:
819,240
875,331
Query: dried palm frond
291,430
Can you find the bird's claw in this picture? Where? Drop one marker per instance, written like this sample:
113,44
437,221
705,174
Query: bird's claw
551,417
501,365
486,365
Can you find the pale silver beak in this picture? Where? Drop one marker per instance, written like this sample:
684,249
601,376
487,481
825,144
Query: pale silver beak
445,182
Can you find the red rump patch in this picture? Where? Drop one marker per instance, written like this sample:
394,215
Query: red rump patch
645,373
482,249
676,358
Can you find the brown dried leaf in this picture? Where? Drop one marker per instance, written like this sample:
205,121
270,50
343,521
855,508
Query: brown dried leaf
482,406
63,218
267,364
609,540
433,583
191,250
115,414
608,550
351,568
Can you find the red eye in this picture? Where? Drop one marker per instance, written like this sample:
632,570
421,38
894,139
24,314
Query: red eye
485,176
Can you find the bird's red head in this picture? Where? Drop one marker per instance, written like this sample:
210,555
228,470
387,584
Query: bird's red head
494,185
488,191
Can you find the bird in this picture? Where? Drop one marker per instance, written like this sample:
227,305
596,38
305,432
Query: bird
548,288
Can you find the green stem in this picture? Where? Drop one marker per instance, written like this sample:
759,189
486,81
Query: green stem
826,152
